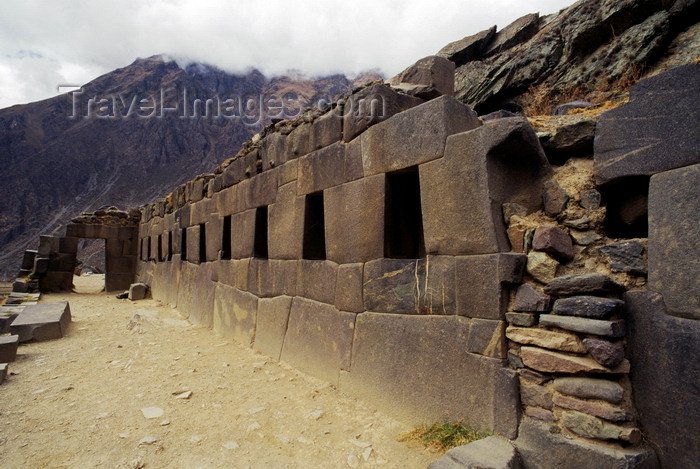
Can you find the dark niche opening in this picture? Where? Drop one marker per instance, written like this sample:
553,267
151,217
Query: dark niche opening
627,203
314,246
150,253
142,251
159,254
183,244
403,219
260,242
226,238
170,246
202,242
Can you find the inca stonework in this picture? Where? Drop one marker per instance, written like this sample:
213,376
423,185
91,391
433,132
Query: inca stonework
443,266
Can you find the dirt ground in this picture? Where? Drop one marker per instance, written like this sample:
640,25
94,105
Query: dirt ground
77,402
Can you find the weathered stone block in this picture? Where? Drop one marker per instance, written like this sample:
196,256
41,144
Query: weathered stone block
226,201
587,306
166,281
563,341
48,245
437,291
68,245
665,351
528,298
615,328
589,426
273,152
370,106
298,142
242,234
137,291
481,284
354,219
674,260
319,339
195,296
326,130
614,414
321,169
432,71
394,366
60,262
233,273
287,173
490,452
120,264
463,192
391,285
41,265
626,257
534,395
214,237
43,321
538,446
583,284
233,173
8,348
468,48
57,281
286,224
235,314
193,254
555,241
487,337
271,326
200,211
521,319
548,361
656,131
316,280
590,388
542,267
28,259
261,190
269,278
348,288
386,146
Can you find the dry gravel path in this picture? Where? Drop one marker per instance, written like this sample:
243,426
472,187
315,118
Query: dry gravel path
76,402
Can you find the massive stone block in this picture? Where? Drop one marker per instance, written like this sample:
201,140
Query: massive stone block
43,321
656,131
286,224
259,190
233,273
481,283
273,152
432,71
319,339
326,130
272,277
59,281
437,291
166,281
214,237
118,282
316,280
391,285
415,136
674,240
193,234
242,234
664,352
321,169
462,193
60,262
417,369
226,201
200,211
272,319
348,288
371,105
298,142
354,218
235,314
195,296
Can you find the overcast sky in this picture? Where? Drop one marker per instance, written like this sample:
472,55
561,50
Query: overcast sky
44,44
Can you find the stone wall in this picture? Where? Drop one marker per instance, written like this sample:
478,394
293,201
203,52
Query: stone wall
428,261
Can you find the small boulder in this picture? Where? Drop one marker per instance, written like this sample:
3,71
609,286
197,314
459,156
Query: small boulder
605,352
554,241
137,291
492,452
626,257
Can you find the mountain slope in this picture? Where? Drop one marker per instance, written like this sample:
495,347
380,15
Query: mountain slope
131,135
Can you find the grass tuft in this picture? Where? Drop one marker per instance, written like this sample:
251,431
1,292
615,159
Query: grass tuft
442,436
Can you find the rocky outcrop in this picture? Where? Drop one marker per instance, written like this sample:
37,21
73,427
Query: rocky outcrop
588,49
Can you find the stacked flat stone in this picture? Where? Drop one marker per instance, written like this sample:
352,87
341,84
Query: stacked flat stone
559,346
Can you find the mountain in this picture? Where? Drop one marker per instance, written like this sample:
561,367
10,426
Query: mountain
130,135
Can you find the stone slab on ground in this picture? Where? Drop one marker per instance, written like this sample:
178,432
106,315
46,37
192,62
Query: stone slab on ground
43,321
539,447
396,367
665,355
137,291
492,452
8,348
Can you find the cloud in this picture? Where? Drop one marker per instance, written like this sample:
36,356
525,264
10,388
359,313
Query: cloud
74,41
